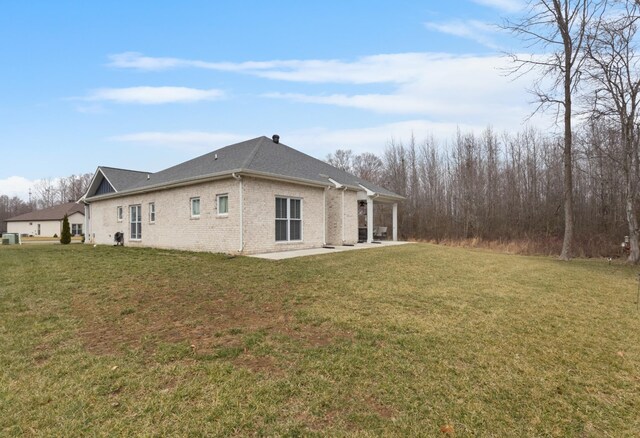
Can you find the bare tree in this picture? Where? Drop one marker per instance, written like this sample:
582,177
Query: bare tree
342,159
368,167
73,187
509,188
559,28
615,75
49,191
46,193
10,207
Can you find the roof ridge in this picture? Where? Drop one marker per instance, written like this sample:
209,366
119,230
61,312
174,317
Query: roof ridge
120,168
253,153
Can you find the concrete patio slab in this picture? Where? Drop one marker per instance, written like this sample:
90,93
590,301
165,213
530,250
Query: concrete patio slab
281,255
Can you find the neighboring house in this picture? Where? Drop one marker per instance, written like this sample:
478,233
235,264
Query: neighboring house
48,222
251,197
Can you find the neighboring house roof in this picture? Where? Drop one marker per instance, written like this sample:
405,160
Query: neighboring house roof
55,213
260,156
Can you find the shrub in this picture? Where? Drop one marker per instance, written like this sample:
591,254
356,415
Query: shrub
65,235
55,235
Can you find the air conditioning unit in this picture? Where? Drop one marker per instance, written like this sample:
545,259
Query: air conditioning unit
11,239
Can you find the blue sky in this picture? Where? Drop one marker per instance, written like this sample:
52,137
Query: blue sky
145,85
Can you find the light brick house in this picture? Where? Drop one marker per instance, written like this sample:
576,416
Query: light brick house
251,197
48,222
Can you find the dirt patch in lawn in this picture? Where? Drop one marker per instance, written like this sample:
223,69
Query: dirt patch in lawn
258,364
208,320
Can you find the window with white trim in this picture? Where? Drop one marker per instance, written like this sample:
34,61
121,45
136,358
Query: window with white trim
152,212
119,213
135,221
195,207
223,204
288,219
76,229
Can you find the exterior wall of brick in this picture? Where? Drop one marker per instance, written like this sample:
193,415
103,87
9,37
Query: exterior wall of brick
47,228
350,217
174,227
260,212
342,212
334,216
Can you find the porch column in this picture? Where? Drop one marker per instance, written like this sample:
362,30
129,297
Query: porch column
369,219
395,221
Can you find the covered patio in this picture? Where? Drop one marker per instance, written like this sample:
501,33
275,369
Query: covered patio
369,229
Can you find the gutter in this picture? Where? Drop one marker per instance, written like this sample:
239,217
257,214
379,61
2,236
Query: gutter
207,178
158,187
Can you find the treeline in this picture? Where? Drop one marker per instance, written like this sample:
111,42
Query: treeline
502,188
45,193
48,192
529,186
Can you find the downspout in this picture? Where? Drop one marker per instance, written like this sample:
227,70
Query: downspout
343,190
87,222
241,208
324,216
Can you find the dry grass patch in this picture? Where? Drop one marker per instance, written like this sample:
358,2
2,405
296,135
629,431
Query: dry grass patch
403,341
205,306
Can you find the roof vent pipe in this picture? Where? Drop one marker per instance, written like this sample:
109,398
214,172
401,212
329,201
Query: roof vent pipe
276,138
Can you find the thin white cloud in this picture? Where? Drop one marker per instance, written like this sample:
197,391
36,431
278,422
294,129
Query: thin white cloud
375,69
154,95
380,103
16,186
315,141
180,139
459,89
478,31
502,5
137,61
319,141
465,89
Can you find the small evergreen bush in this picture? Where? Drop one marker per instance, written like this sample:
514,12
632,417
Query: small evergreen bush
65,235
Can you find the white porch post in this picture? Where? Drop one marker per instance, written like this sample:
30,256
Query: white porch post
369,219
395,221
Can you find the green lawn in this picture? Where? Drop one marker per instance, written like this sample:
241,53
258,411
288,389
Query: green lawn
407,340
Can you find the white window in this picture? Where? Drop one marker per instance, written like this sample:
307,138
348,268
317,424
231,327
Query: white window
76,229
135,215
195,207
119,213
288,219
152,212
223,204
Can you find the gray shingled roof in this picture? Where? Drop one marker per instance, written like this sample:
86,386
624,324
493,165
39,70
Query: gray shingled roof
122,179
55,213
259,155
